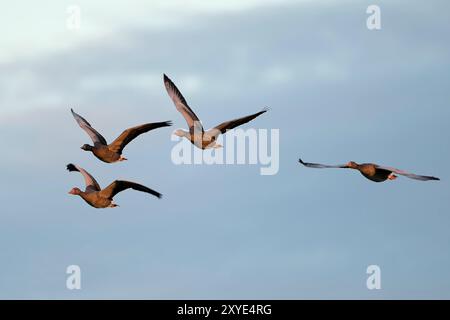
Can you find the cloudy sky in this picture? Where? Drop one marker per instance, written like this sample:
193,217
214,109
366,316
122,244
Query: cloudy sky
336,91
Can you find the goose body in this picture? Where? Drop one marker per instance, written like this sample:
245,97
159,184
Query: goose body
103,153
103,198
371,171
199,139
197,135
112,152
95,200
374,173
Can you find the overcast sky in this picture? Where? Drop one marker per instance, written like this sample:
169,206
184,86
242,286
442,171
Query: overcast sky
336,91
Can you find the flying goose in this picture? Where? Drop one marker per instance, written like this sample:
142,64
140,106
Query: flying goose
197,135
98,198
372,171
112,152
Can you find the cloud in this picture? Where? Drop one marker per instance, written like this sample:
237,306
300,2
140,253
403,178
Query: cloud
42,28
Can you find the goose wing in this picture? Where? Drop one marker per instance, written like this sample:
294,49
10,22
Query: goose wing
91,184
180,103
120,185
130,134
95,136
228,125
321,166
407,174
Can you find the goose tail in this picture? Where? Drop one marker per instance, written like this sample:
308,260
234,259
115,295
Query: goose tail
71,167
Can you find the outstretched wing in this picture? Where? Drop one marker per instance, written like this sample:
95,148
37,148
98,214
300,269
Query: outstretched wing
128,135
321,166
95,136
180,103
120,185
91,184
228,125
407,174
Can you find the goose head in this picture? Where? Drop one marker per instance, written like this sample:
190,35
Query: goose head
75,191
180,133
352,165
86,147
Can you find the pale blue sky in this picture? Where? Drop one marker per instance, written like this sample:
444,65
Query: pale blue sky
337,92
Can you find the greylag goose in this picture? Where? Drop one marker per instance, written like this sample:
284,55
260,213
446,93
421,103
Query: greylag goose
196,134
112,152
372,171
103,198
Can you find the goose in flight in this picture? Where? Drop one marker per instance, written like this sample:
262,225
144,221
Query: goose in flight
112,152
372,171
196,134
103,198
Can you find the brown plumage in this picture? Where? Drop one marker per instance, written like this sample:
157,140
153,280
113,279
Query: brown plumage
103,198
372,171
112,152
196,134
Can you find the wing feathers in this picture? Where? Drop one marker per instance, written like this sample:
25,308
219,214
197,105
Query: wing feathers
120,185
93,134
228,125
130,134
407,174
91,183
320,166
181,104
